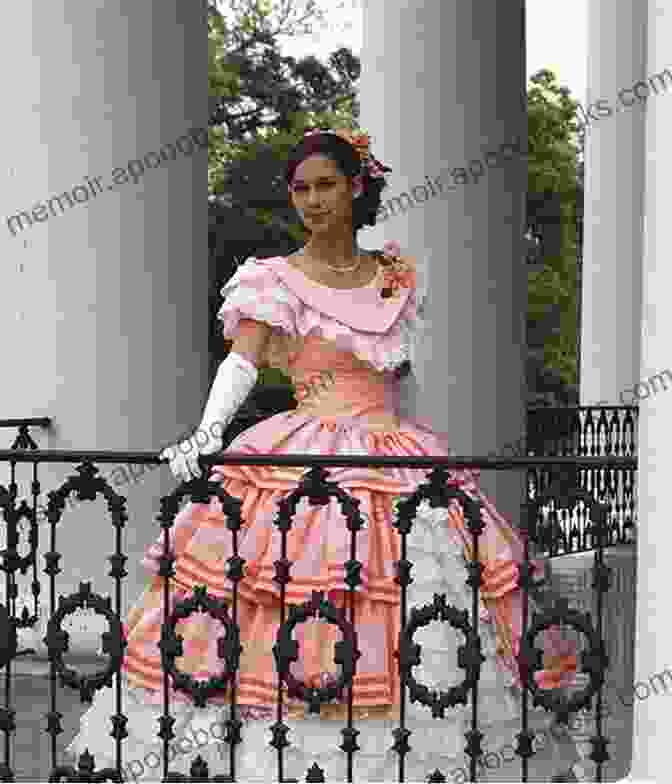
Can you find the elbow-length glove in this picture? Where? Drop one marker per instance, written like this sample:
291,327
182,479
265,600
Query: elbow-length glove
235,378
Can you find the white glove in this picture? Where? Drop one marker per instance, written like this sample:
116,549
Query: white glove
232,385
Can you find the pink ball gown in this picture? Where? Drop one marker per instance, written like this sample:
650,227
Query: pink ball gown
341,348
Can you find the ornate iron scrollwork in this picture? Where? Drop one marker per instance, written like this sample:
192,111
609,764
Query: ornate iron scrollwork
85,772
228,647
12,561
469,656
8,637
595,660
198,771
113,641
286,650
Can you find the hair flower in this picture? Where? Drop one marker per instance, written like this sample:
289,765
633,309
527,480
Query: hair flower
392,248
360,142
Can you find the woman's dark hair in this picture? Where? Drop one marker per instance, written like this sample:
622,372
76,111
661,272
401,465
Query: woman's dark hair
344,155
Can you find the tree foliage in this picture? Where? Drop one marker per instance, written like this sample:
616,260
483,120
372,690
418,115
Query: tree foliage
554,189
260,102
259,98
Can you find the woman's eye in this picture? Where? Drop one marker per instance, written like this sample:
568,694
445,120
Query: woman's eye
320,186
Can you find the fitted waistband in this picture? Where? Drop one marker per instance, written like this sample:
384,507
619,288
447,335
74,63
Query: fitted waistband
355,393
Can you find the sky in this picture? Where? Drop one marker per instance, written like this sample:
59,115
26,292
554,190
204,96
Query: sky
556,37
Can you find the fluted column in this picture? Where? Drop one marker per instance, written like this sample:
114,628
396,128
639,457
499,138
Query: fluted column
613,217
573,579
104,274
654,540
441,89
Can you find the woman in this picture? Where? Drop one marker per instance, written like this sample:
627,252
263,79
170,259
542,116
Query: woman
341,322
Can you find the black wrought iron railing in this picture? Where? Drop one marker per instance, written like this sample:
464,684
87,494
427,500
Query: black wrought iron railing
587,431
438,489
583,431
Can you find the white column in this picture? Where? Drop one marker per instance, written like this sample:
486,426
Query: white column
653,655
104,297
614,184
441,94
573,579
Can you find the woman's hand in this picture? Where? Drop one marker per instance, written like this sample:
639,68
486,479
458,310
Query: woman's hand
235,378
183,456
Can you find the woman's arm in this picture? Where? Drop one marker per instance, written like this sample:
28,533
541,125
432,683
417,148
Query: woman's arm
236,376
251,340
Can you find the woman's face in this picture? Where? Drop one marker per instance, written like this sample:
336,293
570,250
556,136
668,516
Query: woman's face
322,194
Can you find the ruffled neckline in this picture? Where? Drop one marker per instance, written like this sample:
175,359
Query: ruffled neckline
312,282
379,324
361,308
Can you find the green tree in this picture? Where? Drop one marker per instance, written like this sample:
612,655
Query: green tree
554,188
260,101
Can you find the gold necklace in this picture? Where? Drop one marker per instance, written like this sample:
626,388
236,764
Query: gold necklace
355,266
